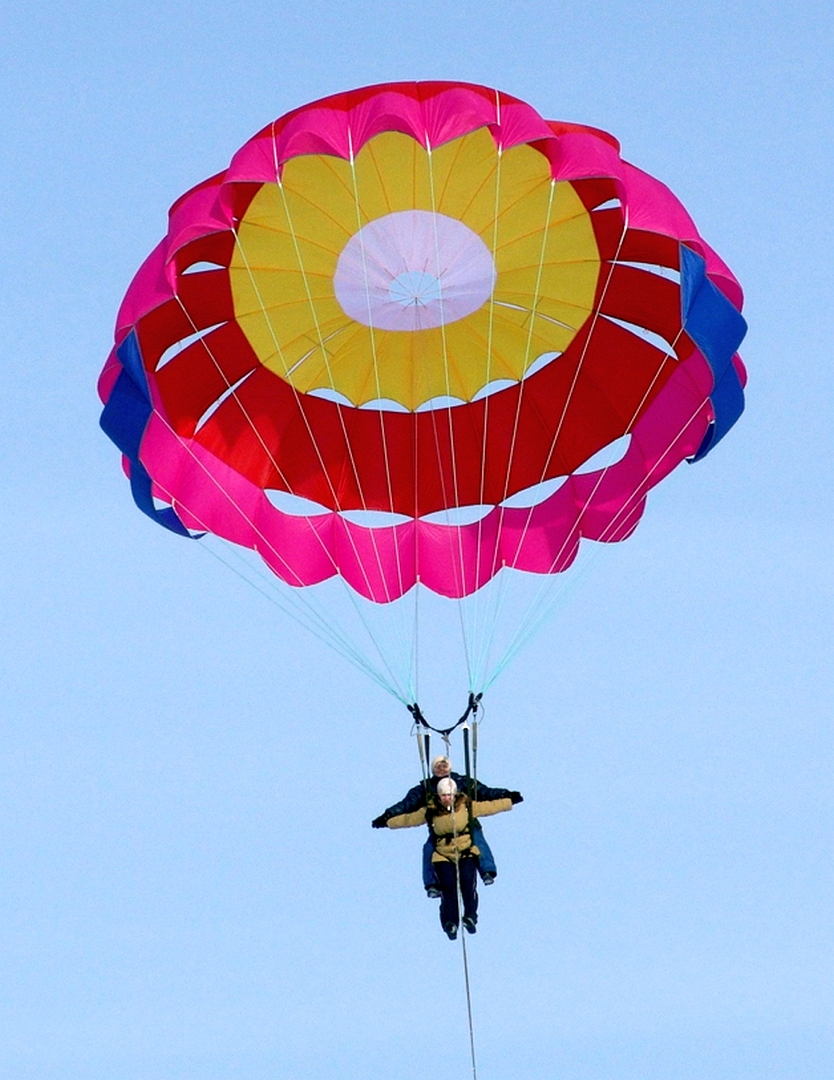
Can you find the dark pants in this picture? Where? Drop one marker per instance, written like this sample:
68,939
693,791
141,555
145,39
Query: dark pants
486,860
447,879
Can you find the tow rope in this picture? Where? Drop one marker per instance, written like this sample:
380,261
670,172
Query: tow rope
422,729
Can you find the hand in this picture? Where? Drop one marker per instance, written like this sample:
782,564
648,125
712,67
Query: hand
381,821
516,797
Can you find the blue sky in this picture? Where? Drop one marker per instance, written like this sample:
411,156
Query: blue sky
190,888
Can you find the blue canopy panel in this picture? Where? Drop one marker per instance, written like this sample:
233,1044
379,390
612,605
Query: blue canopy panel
717,328
124,419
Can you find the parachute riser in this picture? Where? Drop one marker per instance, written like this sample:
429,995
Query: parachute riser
424,750
471,786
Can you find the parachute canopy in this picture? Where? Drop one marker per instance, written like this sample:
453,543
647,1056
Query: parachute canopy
392,338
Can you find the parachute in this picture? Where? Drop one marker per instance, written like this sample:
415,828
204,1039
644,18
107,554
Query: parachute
419,340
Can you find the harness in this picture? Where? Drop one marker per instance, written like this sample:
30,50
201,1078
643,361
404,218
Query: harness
464,830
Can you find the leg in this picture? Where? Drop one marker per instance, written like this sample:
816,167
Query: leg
469,892
447,879
486,862
429,877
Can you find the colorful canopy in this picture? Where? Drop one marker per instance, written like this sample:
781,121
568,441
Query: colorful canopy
391,339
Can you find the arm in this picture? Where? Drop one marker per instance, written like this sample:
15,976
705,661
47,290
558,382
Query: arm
491,806
407,821
481,791
489,794
414,799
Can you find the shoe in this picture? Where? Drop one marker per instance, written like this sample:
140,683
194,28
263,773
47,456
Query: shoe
451,931
469,923
488,878
433,893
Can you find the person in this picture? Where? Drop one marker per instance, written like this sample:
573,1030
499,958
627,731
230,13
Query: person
415,798
450,815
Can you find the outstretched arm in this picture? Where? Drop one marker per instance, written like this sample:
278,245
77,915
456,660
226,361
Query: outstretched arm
488,794
482,792
408,821
414,799
492,806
